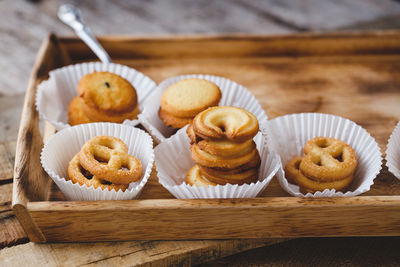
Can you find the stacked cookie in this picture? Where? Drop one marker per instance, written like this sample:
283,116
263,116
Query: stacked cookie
103,97
328,164
104,162
183,100
222,147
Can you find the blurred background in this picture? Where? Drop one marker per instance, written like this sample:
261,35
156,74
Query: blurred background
24,24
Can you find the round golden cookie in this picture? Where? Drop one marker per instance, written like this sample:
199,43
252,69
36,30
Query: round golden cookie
192,136
296,176
253,163
328,159
98,116
194,177
107,157
76,115
206,159
245,177
108,93
172,121
188,97
223,122
223,148
78,174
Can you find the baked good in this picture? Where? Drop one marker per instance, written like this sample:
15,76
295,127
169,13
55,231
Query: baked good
244,177
104,162
194,177
107,92
231,123
183,100
78,174
107,157
224,148
173,121
103,97
296,176
76,115
328,163
188,97
98,116
201,157
227,154
328,159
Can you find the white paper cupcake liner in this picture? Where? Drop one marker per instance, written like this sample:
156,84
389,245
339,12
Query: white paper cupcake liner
173,162
65,144
233,94
53,95
393,152
288,135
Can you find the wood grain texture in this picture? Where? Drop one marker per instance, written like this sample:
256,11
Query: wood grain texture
7,154
145,253
217,219
32,183
304,252
318,15
11,232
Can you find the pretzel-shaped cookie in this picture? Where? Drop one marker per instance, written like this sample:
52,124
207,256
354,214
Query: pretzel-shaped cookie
77,174
295,176
107,158
328,159
232,123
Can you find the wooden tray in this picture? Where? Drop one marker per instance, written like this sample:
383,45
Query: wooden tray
356,76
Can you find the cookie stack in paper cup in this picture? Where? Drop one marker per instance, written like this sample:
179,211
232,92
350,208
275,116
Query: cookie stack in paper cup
55,94
64,145
288,135
393,152
233,94
173,161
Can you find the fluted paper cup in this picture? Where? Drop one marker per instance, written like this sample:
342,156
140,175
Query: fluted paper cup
173,161
53,95
233,94
64,145
288,135
393,152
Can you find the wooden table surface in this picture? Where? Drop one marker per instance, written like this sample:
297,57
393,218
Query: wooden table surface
24,24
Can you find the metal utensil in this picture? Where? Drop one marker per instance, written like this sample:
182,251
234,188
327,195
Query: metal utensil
70,15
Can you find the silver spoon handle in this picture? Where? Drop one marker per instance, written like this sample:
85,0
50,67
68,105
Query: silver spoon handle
70,15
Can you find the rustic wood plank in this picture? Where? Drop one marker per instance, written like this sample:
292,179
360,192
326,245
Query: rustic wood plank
7,154
27,175
383,23
210,219
156,253
319,15
11,232
367,251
